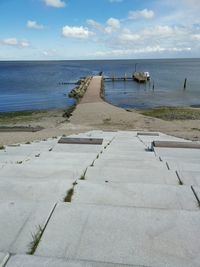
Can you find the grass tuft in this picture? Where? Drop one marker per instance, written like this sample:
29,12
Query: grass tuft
68,112
92,165
83,175
36,239
68,197
2,147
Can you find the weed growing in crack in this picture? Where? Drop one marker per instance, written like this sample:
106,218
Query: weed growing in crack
92,165
68,197
83,175
36,239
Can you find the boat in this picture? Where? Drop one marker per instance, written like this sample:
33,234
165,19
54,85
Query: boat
141,77
146,74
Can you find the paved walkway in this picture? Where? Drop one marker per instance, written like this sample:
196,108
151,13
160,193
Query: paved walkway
130,206
92,94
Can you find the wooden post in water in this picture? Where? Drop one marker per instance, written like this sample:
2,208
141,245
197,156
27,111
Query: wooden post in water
125,77
185,84
113,78
153,87
136,67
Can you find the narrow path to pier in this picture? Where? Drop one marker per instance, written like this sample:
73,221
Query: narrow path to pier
92,94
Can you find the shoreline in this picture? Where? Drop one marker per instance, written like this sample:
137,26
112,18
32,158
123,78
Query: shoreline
92,112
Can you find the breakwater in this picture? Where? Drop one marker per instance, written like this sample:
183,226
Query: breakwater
79,91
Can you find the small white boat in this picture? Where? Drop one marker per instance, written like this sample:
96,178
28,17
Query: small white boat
147,75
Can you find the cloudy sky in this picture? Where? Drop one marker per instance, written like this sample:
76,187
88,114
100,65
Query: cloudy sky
99,29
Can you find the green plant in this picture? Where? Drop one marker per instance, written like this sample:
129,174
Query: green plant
36,239
83,175
68,197
173,113
68,112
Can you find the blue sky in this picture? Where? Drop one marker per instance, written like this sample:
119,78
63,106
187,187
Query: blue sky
99,29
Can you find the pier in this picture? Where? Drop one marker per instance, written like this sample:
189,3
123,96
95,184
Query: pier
115,79
137,76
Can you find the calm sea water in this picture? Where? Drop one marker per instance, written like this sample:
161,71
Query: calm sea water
36,85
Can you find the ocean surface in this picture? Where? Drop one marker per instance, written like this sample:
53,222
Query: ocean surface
37,85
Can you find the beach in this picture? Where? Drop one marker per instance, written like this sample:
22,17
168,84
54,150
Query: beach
94,113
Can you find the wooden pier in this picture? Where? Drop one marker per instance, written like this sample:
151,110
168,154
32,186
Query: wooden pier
113,79
137,76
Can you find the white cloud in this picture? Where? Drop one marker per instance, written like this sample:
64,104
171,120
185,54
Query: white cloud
15,42
76,32
49,53
112,24
10,41
145,50
144,14
196,37
34,25
129,37
96,25
55,3
24,44
159,31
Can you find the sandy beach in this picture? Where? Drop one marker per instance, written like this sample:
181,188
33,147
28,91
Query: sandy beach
94,113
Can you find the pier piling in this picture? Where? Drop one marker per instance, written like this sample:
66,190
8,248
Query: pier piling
185,84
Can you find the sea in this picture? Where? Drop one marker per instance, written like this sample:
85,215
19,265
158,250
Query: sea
43,85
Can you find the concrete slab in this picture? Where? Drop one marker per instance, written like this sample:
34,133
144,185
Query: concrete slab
135,195
63,158
131,156
2,255
121,175
77,148
125,149
20,189
182,161
12,159
59,166
67,156
133,164
40,172
34,146
183,166
33,261
180,153
126,142
119,235
18,221
190,177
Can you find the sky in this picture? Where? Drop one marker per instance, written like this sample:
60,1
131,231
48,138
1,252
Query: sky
99,29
